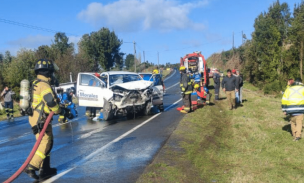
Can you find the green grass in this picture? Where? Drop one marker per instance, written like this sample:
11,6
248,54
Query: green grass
214,144
165,73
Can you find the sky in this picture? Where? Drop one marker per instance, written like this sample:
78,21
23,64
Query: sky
163,29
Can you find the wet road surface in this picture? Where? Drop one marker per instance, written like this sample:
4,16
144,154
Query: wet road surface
94,151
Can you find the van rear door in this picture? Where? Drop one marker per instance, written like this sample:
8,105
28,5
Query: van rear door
90,90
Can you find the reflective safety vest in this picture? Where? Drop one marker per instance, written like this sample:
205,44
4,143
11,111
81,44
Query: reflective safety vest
293,100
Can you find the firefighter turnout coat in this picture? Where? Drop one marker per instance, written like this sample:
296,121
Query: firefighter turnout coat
293,100
44,101
186,84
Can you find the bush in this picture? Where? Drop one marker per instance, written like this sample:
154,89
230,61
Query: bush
273,87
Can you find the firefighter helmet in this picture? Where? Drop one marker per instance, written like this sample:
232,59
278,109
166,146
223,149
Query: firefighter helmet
155,71
45,64
72,90
196,86
182,68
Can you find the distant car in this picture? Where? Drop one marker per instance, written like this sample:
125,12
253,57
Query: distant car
158,88
118,93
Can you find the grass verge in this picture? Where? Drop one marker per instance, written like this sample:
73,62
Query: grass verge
214,144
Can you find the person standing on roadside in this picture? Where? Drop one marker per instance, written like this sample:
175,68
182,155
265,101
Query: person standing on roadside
238,81
186,88
230,86
217,84
8,102
292,104
241,87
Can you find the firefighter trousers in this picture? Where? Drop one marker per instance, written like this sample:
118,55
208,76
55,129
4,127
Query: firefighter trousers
187,102
44,148
9,108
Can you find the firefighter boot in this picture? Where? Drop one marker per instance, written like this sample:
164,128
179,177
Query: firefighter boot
30,171
46,171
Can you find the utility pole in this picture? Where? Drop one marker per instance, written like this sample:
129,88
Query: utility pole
233,40
158,62
144,56
134,55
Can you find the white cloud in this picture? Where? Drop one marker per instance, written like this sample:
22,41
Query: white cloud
133,15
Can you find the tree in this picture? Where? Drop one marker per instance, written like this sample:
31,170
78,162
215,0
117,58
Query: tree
8,57
102,48
61,44
45,52
296,34
129,62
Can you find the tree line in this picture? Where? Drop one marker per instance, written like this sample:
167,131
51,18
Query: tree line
96,52
275,52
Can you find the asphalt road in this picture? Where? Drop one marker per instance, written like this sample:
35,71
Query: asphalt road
95,151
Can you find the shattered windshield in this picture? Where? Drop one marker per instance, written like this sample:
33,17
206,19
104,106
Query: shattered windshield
123,78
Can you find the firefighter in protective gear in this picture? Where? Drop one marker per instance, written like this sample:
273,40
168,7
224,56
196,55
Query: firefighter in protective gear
44,101
186,88
67,103
292,104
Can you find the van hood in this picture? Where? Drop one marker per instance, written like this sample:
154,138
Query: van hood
135,85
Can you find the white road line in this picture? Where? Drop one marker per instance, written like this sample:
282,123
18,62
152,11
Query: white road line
28,133
81,162
172,86
170,76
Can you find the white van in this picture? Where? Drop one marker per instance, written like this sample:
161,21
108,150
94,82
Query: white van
117,93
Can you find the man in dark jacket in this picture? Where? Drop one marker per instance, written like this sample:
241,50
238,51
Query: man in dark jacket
239,81
217,84
230,86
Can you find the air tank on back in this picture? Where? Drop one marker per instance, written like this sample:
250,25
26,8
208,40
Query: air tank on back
24,94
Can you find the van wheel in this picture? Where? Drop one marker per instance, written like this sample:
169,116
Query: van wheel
108,113
161,108
147,109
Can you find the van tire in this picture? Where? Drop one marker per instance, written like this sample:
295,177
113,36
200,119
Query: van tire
108,113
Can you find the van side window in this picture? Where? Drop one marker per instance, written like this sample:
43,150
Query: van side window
88,80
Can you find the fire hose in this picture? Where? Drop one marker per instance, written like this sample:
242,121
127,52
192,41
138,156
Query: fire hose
29,158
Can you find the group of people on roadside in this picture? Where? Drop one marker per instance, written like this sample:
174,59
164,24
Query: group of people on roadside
232,86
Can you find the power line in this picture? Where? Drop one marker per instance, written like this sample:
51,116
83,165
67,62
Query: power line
30,26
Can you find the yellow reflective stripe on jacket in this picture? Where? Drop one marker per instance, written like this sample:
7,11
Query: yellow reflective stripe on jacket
40,154
55,109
